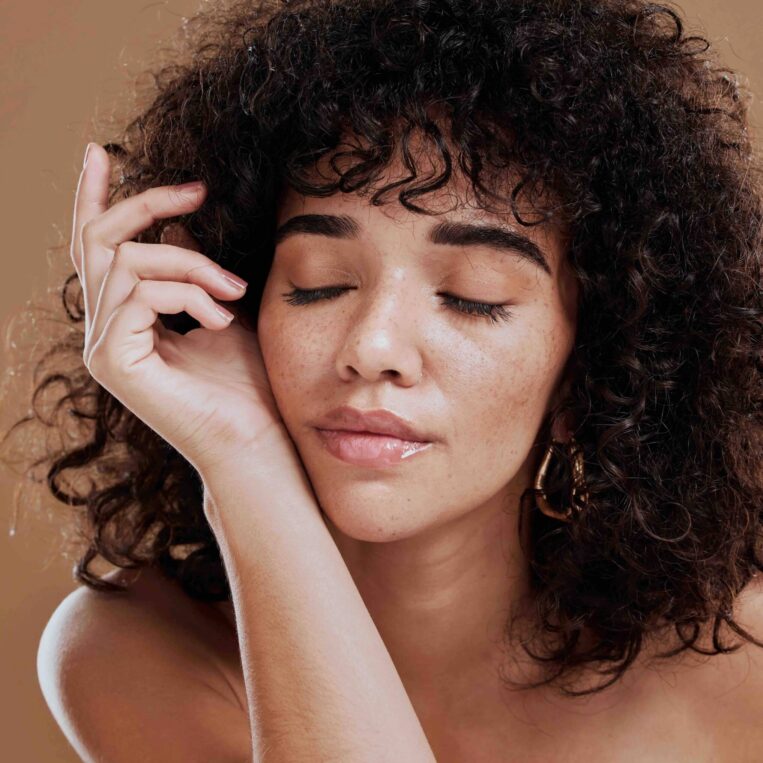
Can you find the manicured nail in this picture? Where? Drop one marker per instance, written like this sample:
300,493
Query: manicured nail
87,151
233,281
223,313
194,187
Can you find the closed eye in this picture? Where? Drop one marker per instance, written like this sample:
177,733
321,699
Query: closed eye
464,306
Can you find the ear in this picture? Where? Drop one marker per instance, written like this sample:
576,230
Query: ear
562,427
177,234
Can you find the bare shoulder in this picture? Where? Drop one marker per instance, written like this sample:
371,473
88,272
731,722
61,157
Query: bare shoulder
727,689
142,675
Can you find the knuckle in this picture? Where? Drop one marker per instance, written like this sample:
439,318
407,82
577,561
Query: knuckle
88,230
194,259
145,205
91,360
194,265
198,294
125,249
141,289
101,359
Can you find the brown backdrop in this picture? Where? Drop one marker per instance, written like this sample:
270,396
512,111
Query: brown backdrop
63,64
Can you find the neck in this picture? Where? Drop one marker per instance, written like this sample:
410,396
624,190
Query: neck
441,599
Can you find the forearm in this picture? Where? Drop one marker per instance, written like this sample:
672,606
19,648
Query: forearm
320,682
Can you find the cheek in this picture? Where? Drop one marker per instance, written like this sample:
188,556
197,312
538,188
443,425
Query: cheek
503,395
296,358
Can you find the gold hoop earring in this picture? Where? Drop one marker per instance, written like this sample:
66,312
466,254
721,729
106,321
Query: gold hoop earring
578,499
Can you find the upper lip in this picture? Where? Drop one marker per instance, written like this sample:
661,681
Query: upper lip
378,421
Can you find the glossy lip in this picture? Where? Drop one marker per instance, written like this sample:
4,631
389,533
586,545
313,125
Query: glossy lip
378,421
368,449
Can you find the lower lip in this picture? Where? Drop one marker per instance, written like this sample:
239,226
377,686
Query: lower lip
366,449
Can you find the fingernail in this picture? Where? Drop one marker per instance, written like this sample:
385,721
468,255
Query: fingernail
234,281
223,313
193,187
87,151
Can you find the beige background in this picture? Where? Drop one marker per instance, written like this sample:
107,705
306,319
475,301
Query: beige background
64,64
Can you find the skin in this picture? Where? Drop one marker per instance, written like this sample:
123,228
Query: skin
206,393
304,557
431,543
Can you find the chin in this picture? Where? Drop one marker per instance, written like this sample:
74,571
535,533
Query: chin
375,507
379,525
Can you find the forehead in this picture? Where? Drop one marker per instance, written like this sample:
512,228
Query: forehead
454,201
456,198
450,206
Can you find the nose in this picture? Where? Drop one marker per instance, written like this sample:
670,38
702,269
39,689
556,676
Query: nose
381,339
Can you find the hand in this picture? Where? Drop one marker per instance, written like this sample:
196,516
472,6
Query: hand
206,392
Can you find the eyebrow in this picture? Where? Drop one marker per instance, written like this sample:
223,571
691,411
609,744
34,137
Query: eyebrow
447,233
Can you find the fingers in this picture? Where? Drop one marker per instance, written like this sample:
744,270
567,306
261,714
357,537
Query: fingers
98,230
90,201
133,262
127,338
130,216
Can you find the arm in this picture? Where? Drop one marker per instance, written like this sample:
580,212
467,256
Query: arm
320,682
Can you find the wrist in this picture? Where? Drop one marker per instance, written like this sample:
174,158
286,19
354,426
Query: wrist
265,469
270,448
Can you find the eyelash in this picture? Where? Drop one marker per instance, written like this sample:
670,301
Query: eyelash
487,310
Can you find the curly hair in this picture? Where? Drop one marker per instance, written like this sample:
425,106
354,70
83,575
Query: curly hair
642,135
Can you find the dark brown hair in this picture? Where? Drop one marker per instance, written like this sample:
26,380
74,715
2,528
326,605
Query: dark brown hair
642,135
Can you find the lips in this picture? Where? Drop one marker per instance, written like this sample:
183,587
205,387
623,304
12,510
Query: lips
377,421
370,450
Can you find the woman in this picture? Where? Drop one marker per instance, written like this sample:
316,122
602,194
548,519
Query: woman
546,321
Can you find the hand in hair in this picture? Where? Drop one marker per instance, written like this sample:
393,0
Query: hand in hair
205,392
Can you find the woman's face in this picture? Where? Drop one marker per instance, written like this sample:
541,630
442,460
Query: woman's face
390,341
